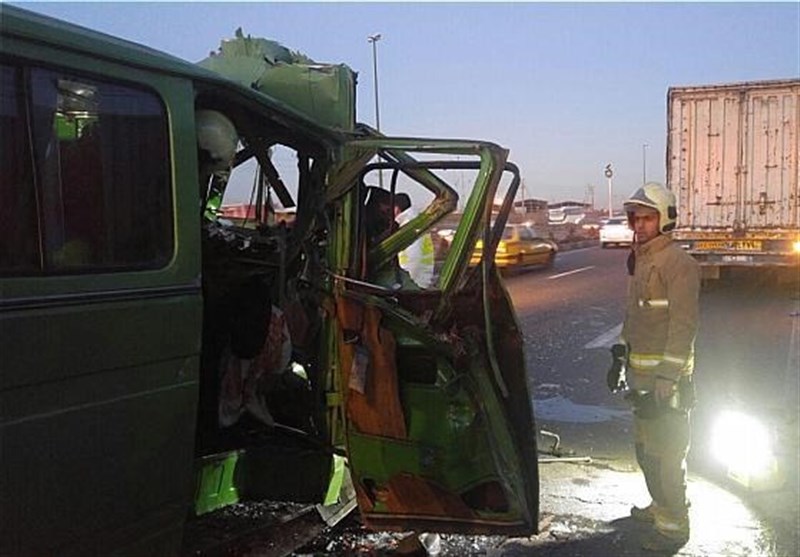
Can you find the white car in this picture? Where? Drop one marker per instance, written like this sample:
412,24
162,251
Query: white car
616,231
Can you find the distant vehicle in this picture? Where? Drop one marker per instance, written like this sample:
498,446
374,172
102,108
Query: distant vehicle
570,214
520,246
616,231
732,162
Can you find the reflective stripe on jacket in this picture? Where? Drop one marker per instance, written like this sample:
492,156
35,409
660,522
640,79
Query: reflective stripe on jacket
662,309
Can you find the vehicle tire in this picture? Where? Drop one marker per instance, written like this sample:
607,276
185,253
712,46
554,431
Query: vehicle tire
551,260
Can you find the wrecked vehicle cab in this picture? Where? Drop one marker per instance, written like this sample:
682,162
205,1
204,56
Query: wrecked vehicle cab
427,395
432,381
173,357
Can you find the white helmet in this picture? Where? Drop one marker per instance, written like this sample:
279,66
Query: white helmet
216,135
655,196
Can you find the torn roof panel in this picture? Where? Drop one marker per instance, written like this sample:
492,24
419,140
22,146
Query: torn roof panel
323,92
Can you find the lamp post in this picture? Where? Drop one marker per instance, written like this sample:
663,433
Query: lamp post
644,163
609,172
374,38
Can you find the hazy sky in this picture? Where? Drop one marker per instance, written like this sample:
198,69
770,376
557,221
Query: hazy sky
567,87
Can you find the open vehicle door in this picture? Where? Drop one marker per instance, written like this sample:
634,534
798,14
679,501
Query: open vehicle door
431,394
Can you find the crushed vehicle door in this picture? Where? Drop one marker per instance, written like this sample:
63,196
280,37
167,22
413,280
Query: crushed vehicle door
431,390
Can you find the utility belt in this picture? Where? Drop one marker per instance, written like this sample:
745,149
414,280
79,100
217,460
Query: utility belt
646,406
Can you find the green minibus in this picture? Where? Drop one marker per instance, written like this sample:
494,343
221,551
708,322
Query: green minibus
162,356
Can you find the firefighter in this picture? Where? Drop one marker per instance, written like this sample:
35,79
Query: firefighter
656,359
418,258
382,210
217,141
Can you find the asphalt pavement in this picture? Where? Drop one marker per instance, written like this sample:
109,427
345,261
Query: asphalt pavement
585,506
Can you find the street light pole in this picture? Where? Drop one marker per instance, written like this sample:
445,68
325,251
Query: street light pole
644,163
374,38
609,172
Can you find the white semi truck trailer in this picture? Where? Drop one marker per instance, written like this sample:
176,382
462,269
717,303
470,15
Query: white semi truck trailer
732,162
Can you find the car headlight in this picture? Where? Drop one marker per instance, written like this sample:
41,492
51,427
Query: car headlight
744,446
501,247
796,246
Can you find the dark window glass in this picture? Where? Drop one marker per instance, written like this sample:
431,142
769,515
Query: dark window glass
19,236
102,181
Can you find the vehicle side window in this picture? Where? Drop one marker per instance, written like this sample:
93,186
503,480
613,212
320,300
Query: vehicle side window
19,248
87,174
525,233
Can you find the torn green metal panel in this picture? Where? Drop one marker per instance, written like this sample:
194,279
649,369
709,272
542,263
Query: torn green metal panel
323,92
254,47
216,483
338,470
237,68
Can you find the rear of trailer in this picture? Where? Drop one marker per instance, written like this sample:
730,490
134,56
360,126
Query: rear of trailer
732,161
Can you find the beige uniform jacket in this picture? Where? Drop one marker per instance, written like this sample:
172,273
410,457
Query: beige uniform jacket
662,310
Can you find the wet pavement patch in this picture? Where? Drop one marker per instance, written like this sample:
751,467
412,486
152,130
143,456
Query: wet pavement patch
560,409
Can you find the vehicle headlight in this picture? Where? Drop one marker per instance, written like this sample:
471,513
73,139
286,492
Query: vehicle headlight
796,246
501,247
744,446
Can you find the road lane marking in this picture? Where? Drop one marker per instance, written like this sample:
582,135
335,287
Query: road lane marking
572,272
606,339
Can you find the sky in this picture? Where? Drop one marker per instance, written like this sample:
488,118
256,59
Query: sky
567,87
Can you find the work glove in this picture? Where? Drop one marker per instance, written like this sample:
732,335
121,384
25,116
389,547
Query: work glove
615,378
